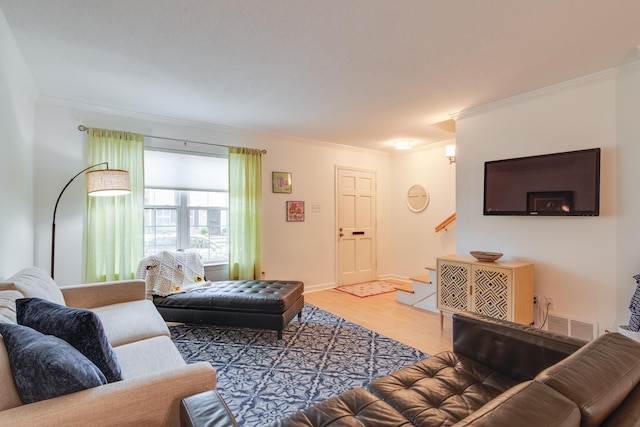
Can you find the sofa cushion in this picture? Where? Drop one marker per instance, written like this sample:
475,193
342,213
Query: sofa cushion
80,328
598,377
8,305
353,408
34,282
627,414
45,366
441,389
529,404
131,321
148,356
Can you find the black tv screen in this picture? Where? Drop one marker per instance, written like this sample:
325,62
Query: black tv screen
559,184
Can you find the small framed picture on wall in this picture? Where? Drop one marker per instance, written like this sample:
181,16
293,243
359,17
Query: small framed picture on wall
295,211
281,182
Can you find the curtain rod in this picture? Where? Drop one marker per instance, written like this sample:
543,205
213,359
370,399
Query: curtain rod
83,128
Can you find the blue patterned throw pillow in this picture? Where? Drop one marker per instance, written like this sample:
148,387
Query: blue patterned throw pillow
44,366
80,328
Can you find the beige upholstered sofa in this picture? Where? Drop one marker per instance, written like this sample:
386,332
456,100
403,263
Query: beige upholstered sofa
155,376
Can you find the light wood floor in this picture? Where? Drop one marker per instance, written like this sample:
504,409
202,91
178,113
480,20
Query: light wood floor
382,313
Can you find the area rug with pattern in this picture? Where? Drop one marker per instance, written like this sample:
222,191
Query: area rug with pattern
263,379
368,289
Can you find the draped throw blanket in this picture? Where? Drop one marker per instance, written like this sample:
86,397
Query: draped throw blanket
167,273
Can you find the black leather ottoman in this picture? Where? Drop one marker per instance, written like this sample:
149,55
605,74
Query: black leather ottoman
265,304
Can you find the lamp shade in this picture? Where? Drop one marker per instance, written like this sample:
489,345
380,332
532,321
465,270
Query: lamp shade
108,182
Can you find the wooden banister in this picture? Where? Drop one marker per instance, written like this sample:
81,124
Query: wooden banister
446,222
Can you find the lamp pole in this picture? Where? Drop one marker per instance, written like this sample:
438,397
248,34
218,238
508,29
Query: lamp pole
53,223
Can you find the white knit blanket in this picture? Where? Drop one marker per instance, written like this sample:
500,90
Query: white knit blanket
168,273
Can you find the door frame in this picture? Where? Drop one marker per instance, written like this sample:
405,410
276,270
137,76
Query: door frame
337,169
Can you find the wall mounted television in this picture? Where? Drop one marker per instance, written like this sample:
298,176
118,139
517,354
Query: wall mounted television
558,184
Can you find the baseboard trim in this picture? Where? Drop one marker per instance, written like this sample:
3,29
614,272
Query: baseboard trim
319,287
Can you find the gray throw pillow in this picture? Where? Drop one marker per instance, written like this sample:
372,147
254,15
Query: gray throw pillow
80,328
44,366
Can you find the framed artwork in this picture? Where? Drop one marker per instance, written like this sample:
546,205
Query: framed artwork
550,201
295,211
281,182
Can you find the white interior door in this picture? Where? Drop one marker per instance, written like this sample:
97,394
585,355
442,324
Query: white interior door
356,220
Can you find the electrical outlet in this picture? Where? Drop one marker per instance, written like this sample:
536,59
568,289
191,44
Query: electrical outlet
551,303
536,299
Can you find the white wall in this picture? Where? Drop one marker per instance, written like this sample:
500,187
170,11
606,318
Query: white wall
307,250
301,251
575,257
628,178
413,239
17,103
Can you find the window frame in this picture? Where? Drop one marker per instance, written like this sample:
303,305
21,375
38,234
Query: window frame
183,209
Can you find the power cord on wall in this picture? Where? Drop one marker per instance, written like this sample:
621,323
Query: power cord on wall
546,315
537,314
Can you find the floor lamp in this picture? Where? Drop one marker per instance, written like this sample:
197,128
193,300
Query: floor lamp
100,183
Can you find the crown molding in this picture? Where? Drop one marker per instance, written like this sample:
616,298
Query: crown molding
607,74
629,68
130,114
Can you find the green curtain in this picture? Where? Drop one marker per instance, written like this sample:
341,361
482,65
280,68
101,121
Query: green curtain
245,213
115,225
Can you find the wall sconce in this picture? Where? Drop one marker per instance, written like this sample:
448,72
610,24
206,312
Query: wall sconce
403,144
450,152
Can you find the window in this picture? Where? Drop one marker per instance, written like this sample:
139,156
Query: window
186,205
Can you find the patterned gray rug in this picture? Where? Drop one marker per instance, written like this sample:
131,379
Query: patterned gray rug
263,379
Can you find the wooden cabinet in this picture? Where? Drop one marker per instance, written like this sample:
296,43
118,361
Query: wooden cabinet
501,289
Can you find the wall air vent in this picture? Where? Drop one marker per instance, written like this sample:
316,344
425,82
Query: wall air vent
575,328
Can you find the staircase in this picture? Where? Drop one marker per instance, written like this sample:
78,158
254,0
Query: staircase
422,294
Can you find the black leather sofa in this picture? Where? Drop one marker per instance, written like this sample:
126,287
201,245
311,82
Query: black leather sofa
498,374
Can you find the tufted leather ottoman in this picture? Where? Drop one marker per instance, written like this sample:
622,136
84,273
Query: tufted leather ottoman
265,304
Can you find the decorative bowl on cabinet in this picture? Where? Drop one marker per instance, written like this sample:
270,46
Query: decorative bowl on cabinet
486,256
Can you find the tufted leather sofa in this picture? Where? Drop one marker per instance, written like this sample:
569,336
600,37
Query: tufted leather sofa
498,374
268,304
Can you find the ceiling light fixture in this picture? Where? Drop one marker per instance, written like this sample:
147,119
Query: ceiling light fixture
450,152
403,144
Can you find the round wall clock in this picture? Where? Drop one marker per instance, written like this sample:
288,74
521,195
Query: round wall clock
417,198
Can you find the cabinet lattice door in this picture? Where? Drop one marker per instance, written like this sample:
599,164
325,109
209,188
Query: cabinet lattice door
492,293
453,280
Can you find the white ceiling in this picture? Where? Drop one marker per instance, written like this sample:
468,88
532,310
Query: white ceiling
353,72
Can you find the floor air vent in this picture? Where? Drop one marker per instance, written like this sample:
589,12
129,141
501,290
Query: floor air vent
572,327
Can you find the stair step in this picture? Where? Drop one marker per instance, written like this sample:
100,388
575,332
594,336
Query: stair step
423,295
400,285
424,279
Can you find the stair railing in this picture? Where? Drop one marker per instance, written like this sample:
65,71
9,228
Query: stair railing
443,225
